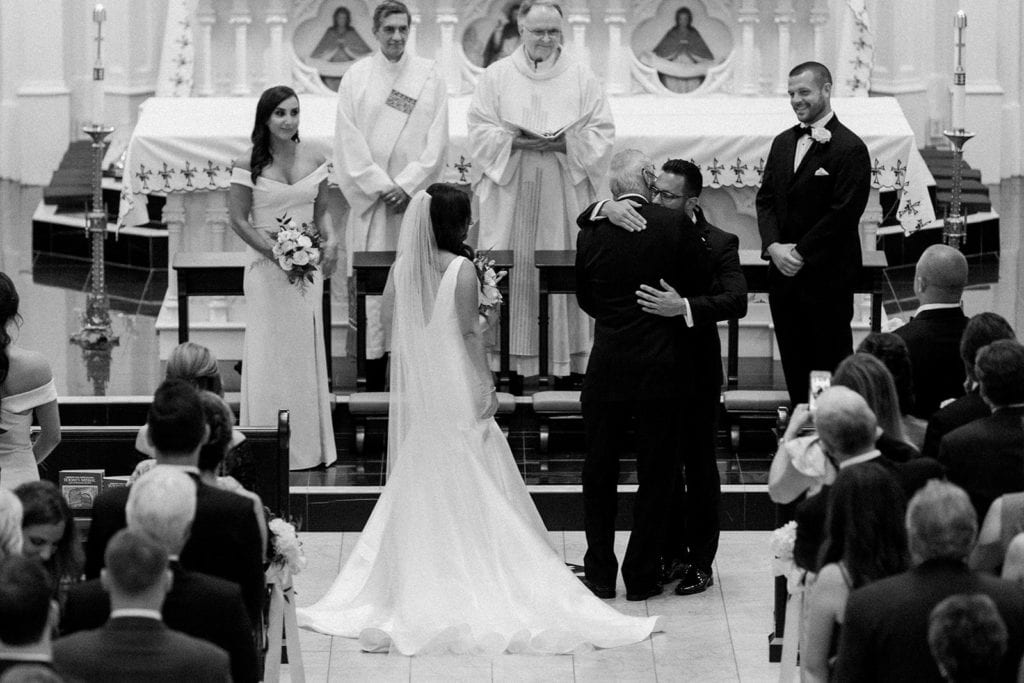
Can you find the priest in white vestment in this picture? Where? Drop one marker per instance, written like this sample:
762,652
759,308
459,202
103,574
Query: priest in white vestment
390,139
541,135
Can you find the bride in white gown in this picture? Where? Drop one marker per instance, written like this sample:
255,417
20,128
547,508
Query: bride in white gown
455,556
284,363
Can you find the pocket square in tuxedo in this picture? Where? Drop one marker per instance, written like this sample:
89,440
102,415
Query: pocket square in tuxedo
820,172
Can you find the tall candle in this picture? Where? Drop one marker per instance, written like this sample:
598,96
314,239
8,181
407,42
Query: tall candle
99,15
959,73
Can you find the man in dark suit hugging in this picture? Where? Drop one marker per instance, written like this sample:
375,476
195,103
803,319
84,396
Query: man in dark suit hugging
639,376
225,539
816,183
690,540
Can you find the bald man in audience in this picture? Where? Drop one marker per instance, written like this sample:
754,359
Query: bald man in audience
135,644
933,334
885,628
161,506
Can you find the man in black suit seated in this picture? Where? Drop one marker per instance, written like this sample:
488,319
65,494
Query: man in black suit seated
225,538
135,644
26,613
161,506
933,334
986,457
981,330
692,527
816,183
885,628
639,376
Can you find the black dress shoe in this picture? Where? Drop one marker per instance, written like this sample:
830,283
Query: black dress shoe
603,592
645,593
673,571
695,581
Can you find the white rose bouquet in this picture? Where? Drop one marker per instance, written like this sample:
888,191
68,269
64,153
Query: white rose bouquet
298,250
490,295
285,548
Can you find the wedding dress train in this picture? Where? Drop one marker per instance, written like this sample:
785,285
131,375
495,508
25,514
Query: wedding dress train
455,556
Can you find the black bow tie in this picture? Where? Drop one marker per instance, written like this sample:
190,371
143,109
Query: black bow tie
802,130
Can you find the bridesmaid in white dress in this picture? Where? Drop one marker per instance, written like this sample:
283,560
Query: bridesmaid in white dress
26,389
284,363
455,556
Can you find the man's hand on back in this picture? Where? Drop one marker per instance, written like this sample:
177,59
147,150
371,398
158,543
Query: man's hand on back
623,213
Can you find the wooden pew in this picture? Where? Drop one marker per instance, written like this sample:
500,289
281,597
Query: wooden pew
113,449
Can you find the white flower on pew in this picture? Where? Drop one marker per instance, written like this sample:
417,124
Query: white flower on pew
285,547
781,545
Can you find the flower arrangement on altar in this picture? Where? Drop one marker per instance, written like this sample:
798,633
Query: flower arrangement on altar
298,250
490,295
284,550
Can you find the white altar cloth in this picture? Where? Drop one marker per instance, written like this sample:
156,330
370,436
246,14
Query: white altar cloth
187,144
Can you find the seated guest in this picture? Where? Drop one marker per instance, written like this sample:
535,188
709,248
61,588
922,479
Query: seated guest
893,352
10,524
865,541
161,506
933,334
26,612
981,330
225,538
195,364
885,630
135,644
869,377
49,533
986,457
967,638
221,421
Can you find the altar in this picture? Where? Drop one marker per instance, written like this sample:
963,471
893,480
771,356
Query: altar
182,149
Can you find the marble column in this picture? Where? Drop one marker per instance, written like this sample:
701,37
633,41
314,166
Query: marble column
617,70
240,20
748,17
899,55
447,20
206,17
578,18
278,71
40,108
785,16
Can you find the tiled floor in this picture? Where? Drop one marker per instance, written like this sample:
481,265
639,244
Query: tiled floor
719,635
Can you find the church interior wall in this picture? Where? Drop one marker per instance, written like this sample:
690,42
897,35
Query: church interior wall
47,53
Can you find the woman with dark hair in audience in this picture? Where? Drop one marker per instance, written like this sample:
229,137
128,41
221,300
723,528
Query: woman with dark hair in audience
894,354
801,466
221,422
865,541
49,533
26,390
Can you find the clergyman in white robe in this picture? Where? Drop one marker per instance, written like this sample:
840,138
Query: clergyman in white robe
529,199
391,129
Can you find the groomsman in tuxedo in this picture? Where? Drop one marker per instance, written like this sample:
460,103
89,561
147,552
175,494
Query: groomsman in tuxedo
638,379
692,527
816,183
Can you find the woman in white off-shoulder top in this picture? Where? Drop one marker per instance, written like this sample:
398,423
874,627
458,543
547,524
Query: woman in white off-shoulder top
26,389
284,363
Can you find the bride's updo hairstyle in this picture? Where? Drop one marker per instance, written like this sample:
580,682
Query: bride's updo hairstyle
9,302
449,215
261,154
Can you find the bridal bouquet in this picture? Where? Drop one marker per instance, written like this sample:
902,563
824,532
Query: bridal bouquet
490,295
298,250
284,549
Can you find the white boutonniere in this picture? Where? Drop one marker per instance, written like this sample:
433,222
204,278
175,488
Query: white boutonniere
821,134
